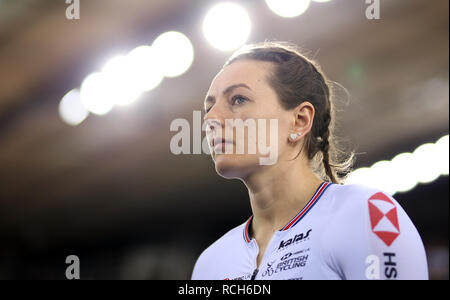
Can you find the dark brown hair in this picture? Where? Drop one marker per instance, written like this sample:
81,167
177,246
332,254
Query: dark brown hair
296,79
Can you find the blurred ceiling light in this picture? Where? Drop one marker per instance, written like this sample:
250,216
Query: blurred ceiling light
226,26
122,80
122,88
70,108
406,170
175,53
146,71
427,162
95,94
288,8
321,1
442,147
404,181
381,176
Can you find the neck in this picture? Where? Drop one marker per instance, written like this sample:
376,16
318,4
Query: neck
278,193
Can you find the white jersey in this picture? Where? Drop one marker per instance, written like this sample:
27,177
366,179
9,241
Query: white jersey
344,232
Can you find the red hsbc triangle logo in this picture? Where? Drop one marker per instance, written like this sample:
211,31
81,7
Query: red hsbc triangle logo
383,218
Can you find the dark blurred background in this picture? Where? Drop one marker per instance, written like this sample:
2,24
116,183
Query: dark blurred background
110,191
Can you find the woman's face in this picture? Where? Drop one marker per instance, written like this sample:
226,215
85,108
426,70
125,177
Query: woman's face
241,94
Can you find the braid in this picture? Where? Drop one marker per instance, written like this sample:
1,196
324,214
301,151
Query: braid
325,146
324,136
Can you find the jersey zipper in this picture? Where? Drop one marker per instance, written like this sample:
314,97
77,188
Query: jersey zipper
254,274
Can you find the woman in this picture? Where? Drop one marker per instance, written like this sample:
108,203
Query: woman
305,224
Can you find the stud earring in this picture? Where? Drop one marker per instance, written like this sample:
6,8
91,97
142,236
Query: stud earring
295,135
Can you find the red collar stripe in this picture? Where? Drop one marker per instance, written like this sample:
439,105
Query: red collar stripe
246,235
314,199
308,206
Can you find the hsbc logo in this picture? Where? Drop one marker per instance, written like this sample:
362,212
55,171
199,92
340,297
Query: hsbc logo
374,269
383,218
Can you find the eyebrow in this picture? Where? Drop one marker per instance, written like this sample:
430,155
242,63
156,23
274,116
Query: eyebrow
227,91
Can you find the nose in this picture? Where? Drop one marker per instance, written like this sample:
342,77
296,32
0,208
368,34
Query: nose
212,125
215,118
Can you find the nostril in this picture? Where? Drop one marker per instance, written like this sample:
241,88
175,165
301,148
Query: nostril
212,124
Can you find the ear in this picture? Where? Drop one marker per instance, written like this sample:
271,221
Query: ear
303,118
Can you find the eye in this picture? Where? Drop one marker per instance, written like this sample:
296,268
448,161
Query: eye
238,99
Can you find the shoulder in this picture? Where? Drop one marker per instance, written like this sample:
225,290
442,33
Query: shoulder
358,208
378,228
354,190
225,246
354,197
362,211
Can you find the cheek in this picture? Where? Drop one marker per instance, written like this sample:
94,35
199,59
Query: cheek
283,131
274,129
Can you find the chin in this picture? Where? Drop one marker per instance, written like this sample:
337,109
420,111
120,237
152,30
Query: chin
233,166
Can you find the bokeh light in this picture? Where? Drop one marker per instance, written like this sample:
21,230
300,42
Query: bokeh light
95,94
122,87
71,110
146,70
174,52
425,164
288,8
227,26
